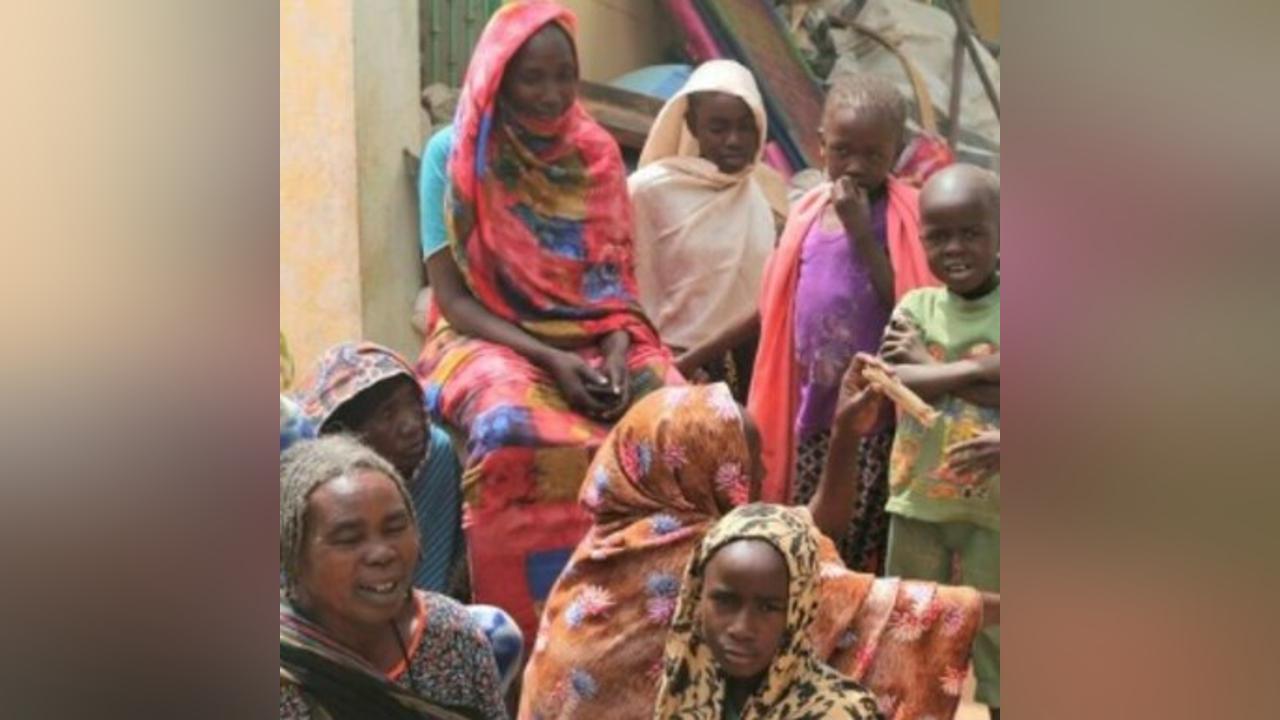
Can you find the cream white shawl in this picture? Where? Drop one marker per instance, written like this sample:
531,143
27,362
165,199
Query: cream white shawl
702,237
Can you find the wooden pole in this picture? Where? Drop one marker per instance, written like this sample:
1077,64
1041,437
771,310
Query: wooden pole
957,81
962,32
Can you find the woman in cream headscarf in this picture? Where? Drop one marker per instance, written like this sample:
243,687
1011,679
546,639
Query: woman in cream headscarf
706,214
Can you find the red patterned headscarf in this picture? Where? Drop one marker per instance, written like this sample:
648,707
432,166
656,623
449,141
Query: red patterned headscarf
537,215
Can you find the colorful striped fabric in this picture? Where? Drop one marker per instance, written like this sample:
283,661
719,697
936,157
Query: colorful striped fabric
436,494
537,214
538,220
527,454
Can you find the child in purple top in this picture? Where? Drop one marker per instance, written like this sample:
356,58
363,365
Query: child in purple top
844,298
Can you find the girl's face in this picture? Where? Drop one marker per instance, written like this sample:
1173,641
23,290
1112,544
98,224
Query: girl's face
358,553
860,143
725,128
541,81
744,607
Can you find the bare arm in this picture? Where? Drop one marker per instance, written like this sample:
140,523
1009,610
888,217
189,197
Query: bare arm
903,347
859,410
832,503
854,210
935,380
990,609
735,335
464,312
877,261
984,394
979,455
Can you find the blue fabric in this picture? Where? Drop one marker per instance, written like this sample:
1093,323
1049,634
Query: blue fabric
433,181
505,638
293,425
437,499
543,568
660,81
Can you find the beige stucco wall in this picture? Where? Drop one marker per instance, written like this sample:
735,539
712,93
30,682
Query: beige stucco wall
320,297
349,263
349,259
616,36
388,121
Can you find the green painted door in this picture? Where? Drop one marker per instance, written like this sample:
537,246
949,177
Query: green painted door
450,29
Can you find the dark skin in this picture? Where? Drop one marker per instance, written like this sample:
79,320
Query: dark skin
744,612
355,573
977,456
960,230
860,409
390,419
859,147
729,137
725,128
755,450
689,361
540,82
902,345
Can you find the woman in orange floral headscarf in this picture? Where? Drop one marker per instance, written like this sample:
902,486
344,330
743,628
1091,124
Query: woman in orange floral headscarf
681,459
539,343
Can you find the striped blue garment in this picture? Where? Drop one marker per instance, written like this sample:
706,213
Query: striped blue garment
437,499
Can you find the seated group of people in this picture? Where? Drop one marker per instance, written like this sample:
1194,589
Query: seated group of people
639,545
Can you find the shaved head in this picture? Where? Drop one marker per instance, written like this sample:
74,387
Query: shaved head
960,228
961,182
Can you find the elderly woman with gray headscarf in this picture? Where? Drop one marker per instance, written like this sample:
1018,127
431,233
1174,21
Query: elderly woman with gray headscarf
356,638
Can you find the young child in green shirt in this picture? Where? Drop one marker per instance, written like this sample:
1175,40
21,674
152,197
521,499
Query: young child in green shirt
944,481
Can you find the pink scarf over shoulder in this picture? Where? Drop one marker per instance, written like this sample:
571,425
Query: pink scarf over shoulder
774,395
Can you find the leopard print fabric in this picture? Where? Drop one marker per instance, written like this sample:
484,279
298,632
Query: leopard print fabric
798,685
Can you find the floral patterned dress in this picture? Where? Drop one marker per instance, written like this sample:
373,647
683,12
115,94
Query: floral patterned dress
450,663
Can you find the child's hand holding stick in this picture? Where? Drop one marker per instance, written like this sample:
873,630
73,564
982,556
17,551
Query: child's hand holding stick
901,395
861,405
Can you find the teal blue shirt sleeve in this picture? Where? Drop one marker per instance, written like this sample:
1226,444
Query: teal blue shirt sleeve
433,181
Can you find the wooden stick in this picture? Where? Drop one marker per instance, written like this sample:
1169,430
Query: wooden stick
962,29
902,396
957,83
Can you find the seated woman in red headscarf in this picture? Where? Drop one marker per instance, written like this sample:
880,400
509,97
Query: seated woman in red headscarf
538,343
